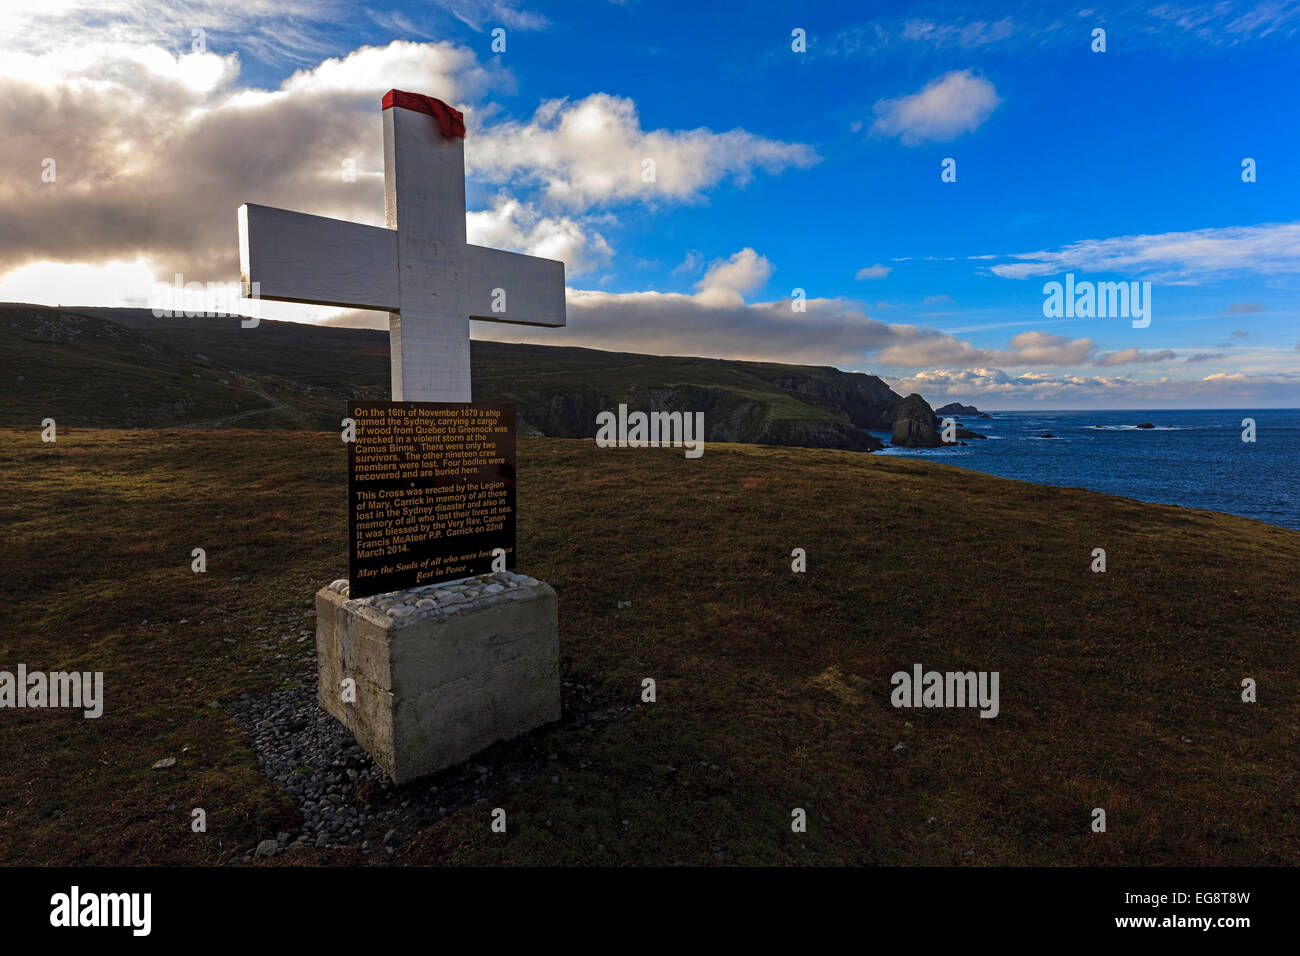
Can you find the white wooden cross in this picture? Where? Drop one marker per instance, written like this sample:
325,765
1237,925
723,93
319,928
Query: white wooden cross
420,268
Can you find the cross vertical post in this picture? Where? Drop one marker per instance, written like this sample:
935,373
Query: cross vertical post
424,200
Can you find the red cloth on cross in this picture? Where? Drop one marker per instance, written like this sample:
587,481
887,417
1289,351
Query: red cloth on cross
450,121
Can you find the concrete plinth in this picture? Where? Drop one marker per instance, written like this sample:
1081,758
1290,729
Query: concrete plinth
441,672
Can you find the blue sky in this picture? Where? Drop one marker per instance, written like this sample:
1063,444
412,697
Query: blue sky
778,170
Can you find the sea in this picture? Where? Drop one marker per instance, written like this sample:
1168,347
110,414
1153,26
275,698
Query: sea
1192,458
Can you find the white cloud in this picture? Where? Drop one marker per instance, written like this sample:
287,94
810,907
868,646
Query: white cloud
955,103
142,283
973,34
726,282
690,263
594,150
1225,23
877,271
1164,26
1132,355
114,283
449,72
995,388
1172,257
488,14
863,40
284,30
147,70
713,322
511,225
930,347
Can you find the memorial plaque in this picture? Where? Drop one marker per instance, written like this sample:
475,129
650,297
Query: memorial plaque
431,492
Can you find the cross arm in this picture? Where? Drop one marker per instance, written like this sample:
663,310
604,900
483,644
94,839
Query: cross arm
295,257
533,287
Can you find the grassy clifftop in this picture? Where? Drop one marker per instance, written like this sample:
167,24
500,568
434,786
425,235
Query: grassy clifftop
1118,690
124,368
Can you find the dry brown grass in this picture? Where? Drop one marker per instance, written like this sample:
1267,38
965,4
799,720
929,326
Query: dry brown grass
1118,690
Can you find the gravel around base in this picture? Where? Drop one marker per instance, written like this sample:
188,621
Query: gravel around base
346,800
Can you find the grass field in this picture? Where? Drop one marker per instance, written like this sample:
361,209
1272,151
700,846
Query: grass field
1118,690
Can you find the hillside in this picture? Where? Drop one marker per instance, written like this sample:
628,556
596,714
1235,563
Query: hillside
84,370
127,368
1118,690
